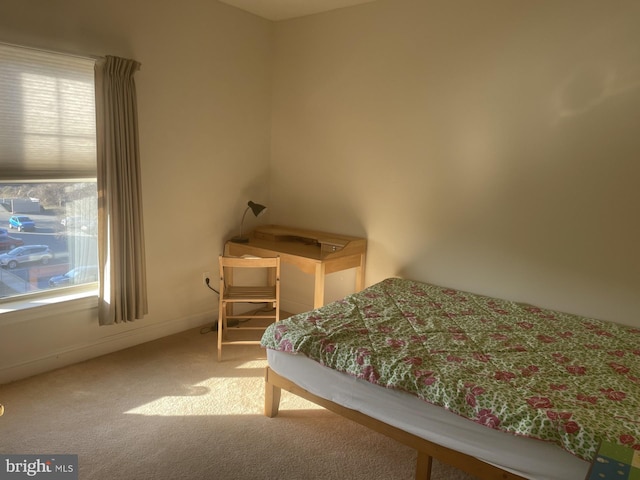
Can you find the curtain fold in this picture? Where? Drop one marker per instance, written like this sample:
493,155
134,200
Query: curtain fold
121,252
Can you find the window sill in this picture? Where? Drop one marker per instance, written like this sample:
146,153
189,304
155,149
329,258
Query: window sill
59,303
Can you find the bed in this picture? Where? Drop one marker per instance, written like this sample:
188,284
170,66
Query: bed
499,389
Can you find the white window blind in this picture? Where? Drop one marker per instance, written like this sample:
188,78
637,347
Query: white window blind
47,115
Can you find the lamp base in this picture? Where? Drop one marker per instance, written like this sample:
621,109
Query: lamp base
240,239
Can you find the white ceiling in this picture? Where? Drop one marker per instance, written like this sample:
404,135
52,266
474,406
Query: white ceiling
284,9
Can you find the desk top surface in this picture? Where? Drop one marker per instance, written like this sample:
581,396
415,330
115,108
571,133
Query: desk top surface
310,244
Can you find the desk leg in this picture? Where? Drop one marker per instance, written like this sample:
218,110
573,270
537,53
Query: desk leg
360,274
318,290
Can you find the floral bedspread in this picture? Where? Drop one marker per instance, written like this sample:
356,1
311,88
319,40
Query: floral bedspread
514,367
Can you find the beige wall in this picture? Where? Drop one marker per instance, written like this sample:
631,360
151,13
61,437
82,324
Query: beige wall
490,146
204,94
487,147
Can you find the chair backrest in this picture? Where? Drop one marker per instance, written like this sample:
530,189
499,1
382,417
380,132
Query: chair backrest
249,262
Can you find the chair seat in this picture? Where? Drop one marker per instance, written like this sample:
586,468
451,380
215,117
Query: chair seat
250,294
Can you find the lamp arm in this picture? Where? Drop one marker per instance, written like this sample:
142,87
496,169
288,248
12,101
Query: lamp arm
242,221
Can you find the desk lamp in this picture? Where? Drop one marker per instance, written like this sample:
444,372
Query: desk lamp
257,210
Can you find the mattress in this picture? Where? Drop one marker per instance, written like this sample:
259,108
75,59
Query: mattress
527,457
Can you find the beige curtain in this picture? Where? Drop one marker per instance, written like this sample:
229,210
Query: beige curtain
123,291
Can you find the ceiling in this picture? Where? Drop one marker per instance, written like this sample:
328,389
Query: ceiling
285,9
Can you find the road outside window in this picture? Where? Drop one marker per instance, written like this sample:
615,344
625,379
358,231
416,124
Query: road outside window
48,237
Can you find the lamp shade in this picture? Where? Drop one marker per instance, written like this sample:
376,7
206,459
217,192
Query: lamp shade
257,210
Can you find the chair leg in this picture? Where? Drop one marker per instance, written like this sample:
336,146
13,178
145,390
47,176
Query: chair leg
220,324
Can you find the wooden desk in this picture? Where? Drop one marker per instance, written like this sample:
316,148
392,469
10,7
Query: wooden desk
313,252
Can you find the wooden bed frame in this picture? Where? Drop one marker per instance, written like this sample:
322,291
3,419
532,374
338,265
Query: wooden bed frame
427,450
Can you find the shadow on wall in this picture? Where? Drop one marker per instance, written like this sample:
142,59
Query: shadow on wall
591,86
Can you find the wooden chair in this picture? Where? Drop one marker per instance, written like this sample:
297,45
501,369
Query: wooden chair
232,294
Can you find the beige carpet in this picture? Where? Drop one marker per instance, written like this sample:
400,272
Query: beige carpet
168,410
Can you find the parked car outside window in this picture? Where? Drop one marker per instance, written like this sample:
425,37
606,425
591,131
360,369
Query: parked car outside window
26,254
7,242
22,223
75,276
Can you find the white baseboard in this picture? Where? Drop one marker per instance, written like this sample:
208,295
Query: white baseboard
96,348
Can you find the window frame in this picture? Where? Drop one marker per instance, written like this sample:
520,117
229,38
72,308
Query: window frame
81,169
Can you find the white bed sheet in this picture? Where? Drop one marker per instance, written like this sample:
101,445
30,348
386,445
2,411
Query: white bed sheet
527,457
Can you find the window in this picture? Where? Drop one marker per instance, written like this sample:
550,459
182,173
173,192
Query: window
48,195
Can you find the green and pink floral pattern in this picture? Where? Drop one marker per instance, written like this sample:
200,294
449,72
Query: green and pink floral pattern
513,367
